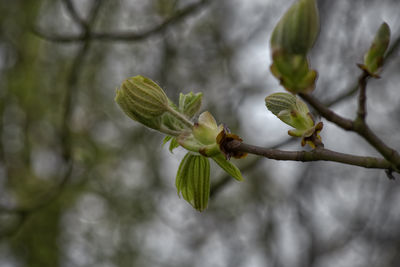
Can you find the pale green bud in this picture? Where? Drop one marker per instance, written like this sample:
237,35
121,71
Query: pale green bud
294,112
142,100
203,136
297,30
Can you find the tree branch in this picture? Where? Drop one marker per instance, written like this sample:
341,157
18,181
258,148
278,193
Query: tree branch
327,113
356,126
74,14
354,88
127,36
362,98
314,155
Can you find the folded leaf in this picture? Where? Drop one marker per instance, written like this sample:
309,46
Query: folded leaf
228,167
193,180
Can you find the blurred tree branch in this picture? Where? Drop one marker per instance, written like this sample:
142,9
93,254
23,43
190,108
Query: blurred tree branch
127,36
24,212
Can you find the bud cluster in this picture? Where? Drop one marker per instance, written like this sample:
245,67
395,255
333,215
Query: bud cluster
145,102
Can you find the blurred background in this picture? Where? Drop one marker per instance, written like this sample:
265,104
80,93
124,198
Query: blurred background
83,185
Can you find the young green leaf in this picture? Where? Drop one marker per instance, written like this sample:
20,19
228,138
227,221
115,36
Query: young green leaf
166,139
294,112
172,145
193,180
228,166
190,103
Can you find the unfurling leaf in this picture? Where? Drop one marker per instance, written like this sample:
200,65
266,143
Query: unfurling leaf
202,137
193,180
173,142
293,72
294,112
373,59
190,103
228,166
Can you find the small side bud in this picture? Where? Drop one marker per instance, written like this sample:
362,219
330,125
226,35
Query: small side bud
373,59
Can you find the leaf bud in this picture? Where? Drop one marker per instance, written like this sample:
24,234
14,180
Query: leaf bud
297,30
142,100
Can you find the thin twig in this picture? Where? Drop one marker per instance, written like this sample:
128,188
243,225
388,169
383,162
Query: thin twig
74,14
362,98
327,113
356,126
314,155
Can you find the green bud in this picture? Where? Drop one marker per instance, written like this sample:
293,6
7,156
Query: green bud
294,112
202,137
293,72
190,103
206,129
142,100
291,110
297,30
373,59
193,180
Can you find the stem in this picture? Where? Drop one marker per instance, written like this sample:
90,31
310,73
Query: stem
362,98
327,113
314,155
180,117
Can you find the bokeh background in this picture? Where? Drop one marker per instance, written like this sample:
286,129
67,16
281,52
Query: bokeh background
83,185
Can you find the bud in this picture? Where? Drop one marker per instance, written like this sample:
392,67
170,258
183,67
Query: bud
193,180
294,112
293,72
373,59
206,129
298,29
202,137
142,100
